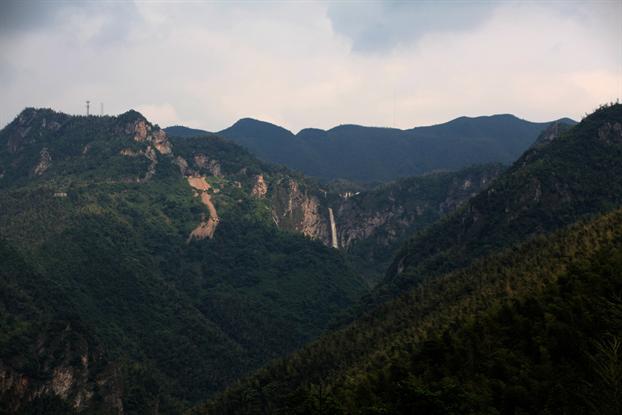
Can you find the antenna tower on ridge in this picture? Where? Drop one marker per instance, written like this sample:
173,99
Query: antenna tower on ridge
88,103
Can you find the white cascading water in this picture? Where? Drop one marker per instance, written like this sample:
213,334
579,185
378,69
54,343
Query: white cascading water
333,229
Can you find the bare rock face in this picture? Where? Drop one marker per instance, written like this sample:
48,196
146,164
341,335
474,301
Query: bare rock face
610,133
183,165
260,188
140,128
143,132
156,141
59,375
161,143
551,133
389,217
313,223
44,162
150,154
21,134
128,152
204,162
297,210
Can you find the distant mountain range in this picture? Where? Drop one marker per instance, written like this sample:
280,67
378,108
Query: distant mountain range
129,257
511,304
369,154
146,272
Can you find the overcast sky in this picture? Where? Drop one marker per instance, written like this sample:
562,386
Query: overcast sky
312,64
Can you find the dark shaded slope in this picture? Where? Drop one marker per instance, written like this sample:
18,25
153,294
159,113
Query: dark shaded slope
181,131
373,225
271,143
532,329
101,208
577,174
380,154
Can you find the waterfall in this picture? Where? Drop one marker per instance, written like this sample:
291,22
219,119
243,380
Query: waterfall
333,229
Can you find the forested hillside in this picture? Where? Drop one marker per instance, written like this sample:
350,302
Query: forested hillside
143,272
380,154
371,225
532,329
570,175
509,305
145,297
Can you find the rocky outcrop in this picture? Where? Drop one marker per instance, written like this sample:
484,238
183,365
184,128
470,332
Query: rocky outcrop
128,152
204,162
298,210
393,212
610,133
183,166
260,188
144,132
44,162
67,368
151,170
160,142
387,215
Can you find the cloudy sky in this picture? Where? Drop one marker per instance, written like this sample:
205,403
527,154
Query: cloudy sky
302,64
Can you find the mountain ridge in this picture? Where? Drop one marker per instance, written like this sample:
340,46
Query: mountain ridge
510,304
362,153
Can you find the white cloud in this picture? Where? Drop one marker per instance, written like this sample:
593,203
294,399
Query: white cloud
208,64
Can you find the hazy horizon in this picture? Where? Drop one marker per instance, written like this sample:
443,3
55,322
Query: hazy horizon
312,64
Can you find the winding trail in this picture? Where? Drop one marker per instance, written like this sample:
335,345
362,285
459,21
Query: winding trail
207,227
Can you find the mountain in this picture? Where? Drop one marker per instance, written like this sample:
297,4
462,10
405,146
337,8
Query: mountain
569,173
141,272
531,329
181,131
510,304
370,154
371,225
367,224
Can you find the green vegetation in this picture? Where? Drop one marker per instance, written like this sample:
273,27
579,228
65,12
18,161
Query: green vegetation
161,320
381,154
395,211
510,305
533,329
574,176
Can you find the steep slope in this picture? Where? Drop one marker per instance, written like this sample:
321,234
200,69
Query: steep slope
372,225
515,320
577,174
272,143
104,209
380,154
40,336
531,329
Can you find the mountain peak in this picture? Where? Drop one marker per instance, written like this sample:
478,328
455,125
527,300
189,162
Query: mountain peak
251,126
132,116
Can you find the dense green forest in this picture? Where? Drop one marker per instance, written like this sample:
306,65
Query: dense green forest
372,154
491,312
115,298
553,184
99,211
532,329
386,216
